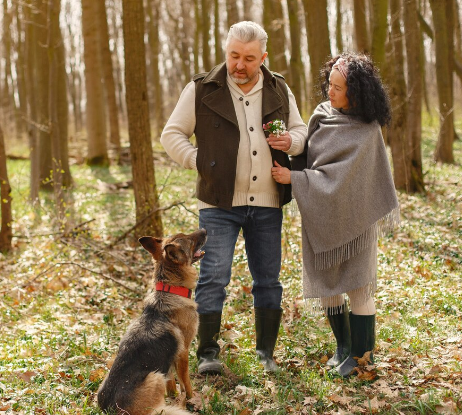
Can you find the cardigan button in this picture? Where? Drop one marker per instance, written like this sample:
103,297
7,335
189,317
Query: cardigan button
254,153
247,103
241,99
212,163
254,178
251,128
252,198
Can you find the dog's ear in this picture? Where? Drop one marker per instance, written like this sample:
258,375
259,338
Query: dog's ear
152,245
175,253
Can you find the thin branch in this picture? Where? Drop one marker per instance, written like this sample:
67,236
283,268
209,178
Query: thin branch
102,275
140,222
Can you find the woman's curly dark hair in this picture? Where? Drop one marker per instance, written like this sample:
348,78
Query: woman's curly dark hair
366,94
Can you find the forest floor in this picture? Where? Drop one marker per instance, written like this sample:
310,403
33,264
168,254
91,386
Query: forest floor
66,298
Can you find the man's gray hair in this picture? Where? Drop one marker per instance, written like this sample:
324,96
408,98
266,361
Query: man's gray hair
248,32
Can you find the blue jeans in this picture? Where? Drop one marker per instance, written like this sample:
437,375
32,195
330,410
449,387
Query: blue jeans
262,233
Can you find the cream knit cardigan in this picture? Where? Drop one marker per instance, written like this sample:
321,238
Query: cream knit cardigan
253,174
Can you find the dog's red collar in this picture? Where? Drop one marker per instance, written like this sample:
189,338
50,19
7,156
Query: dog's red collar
172,289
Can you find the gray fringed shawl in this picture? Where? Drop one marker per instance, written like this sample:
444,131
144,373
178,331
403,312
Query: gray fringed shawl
347,199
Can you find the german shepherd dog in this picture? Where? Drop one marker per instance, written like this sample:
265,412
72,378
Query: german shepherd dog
159,339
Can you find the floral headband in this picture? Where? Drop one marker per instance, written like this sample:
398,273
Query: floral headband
342,67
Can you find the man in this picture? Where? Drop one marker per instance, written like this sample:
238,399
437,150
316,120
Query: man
225,110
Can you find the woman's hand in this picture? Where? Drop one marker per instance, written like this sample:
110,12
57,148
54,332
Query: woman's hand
280,174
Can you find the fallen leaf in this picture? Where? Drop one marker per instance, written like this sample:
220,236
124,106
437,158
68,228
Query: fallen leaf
363,361
27,376
342,400
448,407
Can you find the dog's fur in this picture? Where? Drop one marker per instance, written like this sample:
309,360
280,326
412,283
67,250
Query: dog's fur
160,338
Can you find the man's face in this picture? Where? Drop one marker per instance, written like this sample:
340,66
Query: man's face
243,60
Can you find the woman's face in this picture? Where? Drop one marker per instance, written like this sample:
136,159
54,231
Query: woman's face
337,90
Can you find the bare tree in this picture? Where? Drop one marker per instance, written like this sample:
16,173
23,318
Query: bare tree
397,133
444,147
338,25
232,12
379,31
108,77
154,44
296,64
6,232
414,93
54,7
361,31
205,31
95,109
216,32
273,22
144,182
317,29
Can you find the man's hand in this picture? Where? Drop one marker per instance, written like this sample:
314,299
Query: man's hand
283,142
280,174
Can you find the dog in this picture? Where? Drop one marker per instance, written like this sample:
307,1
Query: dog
159,339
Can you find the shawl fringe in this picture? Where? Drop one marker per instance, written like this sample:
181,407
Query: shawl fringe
328,259
342,303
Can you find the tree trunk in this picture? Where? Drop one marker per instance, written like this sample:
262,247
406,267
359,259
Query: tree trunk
397,134
7,93
414,94
6,232
108,76
444,150
31,86
232,12
360,24
42,79
21,67
318,42
296,65
95,109
154,43
74,81
63,107
217,34
205,30
54,7
248,15
273,21
379,31
338,26
198,24
186,37
144,183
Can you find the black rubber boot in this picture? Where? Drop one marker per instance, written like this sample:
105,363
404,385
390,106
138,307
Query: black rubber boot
340,325
208,349
267,321
362,341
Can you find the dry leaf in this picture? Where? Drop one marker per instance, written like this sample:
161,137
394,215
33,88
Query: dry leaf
363,361
27,376
97,374
324,359
448,407
342,400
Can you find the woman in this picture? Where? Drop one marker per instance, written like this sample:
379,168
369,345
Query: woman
347,199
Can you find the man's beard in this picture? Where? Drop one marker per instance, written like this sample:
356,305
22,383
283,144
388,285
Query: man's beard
243,81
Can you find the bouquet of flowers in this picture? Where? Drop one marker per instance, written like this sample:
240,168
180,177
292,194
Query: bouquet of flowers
276,127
